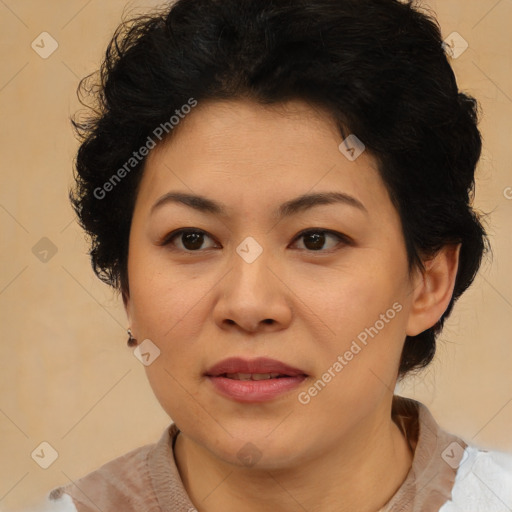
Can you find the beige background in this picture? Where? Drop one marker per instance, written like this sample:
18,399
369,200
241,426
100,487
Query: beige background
67,376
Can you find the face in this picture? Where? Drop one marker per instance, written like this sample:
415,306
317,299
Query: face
314,294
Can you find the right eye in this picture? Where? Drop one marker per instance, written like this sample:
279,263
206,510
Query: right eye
190,239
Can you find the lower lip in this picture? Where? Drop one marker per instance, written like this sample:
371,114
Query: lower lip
255,390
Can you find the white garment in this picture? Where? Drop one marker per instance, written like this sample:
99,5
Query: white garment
63,504
483,483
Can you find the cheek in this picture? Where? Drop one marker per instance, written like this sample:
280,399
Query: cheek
162,296
354,298
366,311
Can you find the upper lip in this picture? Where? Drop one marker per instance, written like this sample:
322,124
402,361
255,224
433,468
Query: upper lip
258,365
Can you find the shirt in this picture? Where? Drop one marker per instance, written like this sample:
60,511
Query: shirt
447,475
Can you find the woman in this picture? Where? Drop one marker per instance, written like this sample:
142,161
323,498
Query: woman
281,191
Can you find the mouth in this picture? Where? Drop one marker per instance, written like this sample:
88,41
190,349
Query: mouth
256,380
253,376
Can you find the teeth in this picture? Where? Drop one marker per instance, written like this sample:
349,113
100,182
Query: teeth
263,376
252,376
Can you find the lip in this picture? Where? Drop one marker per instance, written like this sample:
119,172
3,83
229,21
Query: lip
258,365
250,391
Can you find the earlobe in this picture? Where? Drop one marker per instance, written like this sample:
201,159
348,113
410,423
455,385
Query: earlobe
132,342
126,304
126,301
433,290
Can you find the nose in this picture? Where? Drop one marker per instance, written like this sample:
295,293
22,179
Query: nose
253,298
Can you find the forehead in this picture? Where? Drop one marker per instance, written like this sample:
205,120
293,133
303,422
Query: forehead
242,151
234,127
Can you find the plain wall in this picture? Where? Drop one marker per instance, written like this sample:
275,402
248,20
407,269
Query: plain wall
66,374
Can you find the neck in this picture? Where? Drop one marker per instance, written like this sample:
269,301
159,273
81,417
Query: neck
361,473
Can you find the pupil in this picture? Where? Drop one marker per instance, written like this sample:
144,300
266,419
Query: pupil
318,241
192,241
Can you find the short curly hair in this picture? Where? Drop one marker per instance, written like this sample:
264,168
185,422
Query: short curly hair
378,67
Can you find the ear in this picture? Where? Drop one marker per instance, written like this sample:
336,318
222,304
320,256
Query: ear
433,289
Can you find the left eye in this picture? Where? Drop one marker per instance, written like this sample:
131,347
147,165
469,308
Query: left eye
315,239
191,240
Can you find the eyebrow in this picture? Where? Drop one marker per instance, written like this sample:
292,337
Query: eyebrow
291,207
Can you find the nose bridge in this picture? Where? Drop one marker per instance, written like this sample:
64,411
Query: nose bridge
250,264
250,250
252,285
251,295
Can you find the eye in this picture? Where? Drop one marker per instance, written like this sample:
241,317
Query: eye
314,239
190,239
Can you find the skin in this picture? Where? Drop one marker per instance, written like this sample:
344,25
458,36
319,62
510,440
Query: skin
341,451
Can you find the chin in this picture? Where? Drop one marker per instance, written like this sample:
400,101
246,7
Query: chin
257,451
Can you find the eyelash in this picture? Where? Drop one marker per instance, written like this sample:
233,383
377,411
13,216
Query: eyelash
343,239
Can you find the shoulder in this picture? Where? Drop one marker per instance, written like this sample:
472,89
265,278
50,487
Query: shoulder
145,478
123,483
483,482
